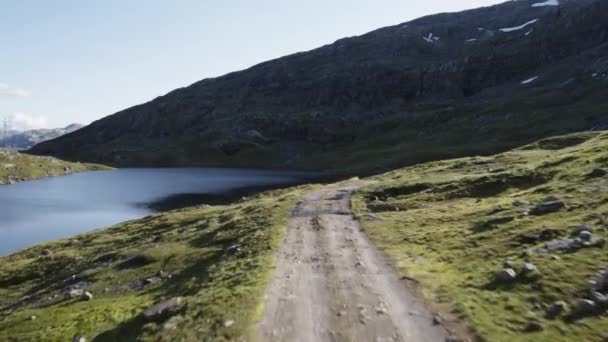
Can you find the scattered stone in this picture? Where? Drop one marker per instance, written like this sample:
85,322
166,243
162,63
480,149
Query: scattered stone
599,298
556,309
75,293
585,235
548,207
161,309
228,323
585,307
533,326
233,249
577,230
528,268
506,275
87,296
597,173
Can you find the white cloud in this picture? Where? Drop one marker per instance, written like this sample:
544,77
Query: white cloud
21,121
8,90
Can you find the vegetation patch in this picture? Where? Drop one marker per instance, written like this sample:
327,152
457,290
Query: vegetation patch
514,244
190,274
18,167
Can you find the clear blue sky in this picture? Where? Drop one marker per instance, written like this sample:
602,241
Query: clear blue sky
65,61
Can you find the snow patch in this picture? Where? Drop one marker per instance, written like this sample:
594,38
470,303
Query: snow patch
431,38
471,40
530,80
594,75
529,32
546,3
517,28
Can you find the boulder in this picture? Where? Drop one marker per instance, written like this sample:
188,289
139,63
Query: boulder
75,293
585,307
556,309
506,275
162,309
548,207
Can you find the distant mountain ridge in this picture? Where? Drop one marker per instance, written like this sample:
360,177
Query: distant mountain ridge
446,85
27,139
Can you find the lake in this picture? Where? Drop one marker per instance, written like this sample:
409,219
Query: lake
58,207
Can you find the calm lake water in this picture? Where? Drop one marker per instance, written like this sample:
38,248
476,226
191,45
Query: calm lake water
59,207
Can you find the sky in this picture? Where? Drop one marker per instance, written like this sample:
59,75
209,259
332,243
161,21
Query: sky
66,61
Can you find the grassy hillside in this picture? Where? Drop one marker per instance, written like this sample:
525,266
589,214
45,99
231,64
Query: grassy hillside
216,260
456,226
16,167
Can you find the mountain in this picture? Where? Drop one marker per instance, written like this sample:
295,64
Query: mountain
447,85
29,138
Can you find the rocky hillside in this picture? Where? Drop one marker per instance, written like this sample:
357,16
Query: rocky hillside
513,244
445,85
18,167
26,139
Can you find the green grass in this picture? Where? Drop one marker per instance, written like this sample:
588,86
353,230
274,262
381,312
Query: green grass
15,166
189,244
441,233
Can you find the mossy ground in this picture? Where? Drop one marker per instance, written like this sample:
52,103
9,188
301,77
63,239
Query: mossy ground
15,166
454,223
223,291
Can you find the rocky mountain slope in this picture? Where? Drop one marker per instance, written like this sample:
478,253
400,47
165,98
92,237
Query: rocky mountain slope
26,139
445,85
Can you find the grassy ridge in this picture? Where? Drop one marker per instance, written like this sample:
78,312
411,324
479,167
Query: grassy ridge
16,167
216,259
452,224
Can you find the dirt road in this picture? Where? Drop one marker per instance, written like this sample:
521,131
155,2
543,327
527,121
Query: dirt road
332,284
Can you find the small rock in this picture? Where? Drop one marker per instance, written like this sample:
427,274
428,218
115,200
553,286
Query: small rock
32,318
585,235
233,249
556,309
79,339
46,252
577,230
162,309
87,296
75,293
533,326
228,323
451,339
529,268
585,307
548,207
597,173
506,275
599,298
